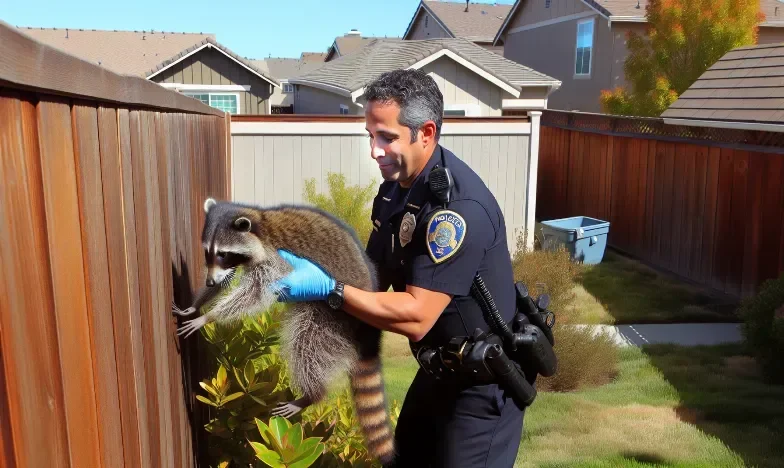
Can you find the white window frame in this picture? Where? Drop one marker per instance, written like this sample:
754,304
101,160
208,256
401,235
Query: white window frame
214,93
592,21
285,85
343,107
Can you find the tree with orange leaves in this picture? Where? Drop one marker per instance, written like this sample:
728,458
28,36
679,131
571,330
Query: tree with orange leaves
684,38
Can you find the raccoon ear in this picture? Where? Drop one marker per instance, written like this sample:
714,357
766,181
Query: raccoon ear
209,203
243,224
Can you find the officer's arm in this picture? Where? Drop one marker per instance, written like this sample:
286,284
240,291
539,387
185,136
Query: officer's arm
411,313
433,278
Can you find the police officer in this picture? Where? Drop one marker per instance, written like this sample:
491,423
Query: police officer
429,254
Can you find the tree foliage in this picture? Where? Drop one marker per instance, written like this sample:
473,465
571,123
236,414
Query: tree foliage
684,38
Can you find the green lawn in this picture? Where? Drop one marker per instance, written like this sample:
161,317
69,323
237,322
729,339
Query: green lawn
669,406
621,291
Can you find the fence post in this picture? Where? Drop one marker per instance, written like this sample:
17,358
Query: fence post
533,169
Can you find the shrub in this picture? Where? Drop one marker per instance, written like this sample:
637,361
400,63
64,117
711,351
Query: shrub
763,327
550,271
351,204
585,358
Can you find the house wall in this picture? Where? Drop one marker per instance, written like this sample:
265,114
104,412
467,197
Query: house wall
770,35
279,98
461,87
532,12
551,50
271,160
211,67
432,30
310,100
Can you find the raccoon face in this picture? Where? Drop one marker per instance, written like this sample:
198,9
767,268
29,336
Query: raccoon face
229,240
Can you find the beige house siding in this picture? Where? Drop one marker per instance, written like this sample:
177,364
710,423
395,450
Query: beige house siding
426,27
461,87
537,11
271,168
620,50
552,49
310,100
279,98
211,67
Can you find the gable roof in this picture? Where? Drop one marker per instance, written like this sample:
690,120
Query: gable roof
284,68
123,52
349,75
138,53
634,11
347,44
478,24
745,85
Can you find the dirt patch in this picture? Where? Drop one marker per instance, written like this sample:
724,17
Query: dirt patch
689,415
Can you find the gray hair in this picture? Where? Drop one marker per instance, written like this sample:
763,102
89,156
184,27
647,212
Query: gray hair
415,92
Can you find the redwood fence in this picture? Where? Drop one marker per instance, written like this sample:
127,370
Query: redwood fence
103,180
704,203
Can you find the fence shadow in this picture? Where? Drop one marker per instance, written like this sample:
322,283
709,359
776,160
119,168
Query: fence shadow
194,357
723,395
635,293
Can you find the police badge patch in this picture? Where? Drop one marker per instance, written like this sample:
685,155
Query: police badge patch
445,233
407,229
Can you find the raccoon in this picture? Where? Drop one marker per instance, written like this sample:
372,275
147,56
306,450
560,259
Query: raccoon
319,343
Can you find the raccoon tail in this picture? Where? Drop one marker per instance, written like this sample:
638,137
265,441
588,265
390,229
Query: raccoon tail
370,403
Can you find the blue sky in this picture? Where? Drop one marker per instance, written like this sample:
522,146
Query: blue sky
255,29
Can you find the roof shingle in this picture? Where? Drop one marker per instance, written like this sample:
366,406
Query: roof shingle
478,24
353,72
746,84
123,52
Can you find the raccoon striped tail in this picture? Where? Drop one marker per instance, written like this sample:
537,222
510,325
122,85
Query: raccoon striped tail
367,386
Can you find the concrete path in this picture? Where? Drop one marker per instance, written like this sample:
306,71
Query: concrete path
687,334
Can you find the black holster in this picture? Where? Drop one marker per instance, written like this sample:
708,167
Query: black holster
495,357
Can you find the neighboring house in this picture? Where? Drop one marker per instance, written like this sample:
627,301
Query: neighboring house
743,90
347,44
477,22
583,42
281,69
473,80
193,64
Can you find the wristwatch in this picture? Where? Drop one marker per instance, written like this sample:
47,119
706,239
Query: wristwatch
335,297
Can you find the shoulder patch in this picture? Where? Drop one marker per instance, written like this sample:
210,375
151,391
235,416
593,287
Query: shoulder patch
445,233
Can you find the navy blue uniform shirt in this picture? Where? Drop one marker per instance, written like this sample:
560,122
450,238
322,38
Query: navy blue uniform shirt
415,240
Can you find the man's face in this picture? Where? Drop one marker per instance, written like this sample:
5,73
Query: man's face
390,143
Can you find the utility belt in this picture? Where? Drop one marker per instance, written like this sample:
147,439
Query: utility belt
500,355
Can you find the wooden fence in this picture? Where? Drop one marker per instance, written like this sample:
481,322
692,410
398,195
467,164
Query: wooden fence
273,156
706,204
103,180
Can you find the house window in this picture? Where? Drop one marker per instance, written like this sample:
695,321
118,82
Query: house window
288,88
343,109
455,113
582,66
227,102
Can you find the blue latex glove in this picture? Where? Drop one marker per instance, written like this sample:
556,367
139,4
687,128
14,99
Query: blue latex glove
308,282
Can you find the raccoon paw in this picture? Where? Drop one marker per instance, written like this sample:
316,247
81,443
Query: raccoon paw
183,313
191,326
290,409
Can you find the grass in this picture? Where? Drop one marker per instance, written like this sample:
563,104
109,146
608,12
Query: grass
623,291
668,406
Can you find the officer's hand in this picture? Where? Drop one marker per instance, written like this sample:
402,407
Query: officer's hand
308,282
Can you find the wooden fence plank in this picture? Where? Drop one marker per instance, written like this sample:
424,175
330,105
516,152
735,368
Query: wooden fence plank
32,373
736,230
118,276
70,301
699,185
709,218
140,128
90,187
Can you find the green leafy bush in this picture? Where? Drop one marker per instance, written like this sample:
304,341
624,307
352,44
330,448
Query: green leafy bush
585,358
763,327
351,204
